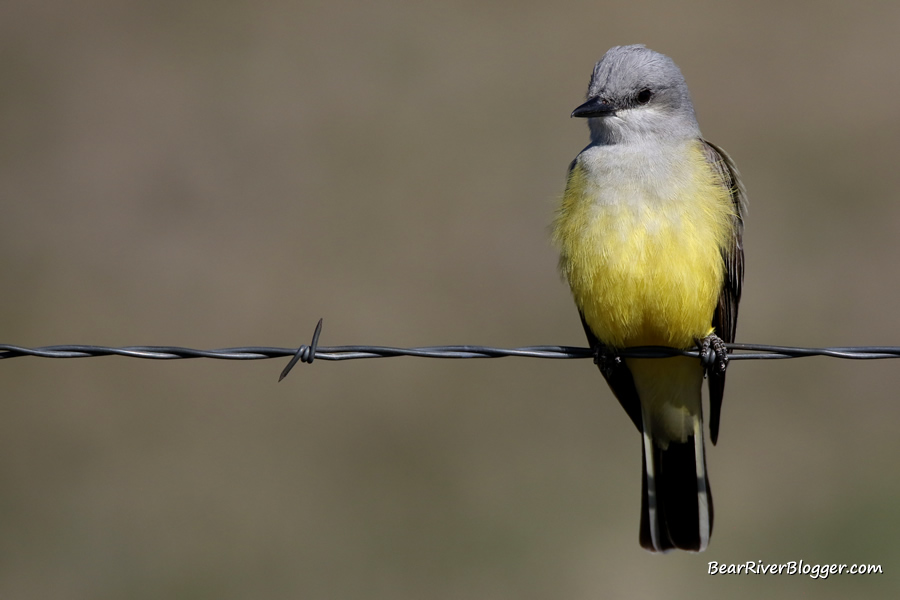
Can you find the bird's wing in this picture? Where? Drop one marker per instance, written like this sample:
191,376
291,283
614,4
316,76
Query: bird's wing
725,317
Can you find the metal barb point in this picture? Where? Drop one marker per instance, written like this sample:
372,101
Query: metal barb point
304,353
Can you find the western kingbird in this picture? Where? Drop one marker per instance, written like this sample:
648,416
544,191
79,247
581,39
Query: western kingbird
649,233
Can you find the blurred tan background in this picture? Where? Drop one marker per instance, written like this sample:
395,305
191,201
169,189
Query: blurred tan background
215,174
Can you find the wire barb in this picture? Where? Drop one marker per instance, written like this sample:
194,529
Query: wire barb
305,353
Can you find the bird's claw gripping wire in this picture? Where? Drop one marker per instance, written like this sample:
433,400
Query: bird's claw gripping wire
713,354
304,353
606,359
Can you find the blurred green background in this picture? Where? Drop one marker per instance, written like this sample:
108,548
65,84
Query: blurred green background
214,174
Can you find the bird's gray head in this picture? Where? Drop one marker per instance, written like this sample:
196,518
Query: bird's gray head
637,95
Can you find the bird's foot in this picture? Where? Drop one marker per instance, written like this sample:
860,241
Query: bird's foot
713,354
606,360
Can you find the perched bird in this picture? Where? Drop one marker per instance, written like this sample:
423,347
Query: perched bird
649,233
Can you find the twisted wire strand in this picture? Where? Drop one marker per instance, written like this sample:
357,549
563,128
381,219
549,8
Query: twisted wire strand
308,353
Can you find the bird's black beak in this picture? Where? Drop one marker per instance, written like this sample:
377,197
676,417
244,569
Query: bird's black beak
594,107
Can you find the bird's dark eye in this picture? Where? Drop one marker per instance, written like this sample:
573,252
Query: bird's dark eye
644,96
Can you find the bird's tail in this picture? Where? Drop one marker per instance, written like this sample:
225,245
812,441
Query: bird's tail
677,508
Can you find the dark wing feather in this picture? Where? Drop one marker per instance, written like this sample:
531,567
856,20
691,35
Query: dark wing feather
725,317
617,375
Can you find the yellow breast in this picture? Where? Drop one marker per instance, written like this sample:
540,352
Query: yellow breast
640,236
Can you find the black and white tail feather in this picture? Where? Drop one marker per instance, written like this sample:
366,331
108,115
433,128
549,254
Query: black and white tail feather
676,506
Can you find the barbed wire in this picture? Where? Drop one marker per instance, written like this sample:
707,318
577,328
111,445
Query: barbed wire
309,353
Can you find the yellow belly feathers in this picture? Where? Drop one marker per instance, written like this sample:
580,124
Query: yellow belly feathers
641,247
